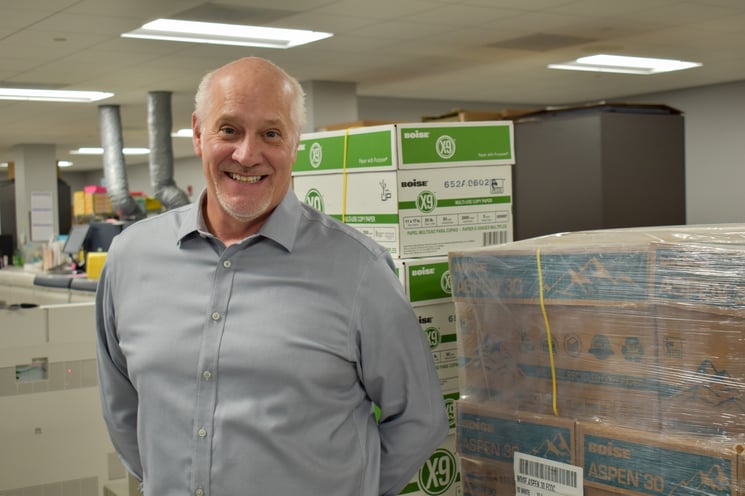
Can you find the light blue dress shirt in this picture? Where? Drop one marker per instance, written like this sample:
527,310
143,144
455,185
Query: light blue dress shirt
253,369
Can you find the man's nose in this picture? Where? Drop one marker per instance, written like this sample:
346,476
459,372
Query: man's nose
245,150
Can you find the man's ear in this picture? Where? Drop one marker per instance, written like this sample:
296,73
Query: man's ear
196,136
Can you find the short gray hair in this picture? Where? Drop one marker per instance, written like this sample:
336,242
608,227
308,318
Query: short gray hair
202,100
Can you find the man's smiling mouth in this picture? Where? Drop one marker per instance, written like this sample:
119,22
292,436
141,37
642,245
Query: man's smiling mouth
244,179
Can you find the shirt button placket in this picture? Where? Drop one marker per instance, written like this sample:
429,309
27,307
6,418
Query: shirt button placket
202,434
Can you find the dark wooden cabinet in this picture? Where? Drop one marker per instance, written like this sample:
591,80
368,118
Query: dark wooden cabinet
604,166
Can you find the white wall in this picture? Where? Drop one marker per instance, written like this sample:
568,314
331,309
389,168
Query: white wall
715,150
714,142
715,145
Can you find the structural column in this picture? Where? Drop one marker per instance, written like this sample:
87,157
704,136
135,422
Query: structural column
35,176
329,102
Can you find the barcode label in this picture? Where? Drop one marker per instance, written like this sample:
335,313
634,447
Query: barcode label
495,238
548,473
536,476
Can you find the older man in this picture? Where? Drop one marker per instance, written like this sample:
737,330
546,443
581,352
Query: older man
245,339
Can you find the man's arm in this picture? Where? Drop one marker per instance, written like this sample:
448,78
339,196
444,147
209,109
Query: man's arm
118,396
400,377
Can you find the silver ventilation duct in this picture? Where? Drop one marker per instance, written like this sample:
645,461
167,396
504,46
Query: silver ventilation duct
161,151
114,166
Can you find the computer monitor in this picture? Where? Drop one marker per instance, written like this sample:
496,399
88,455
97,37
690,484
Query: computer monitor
101,234
76,240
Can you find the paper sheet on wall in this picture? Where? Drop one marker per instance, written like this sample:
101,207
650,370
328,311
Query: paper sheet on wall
42,216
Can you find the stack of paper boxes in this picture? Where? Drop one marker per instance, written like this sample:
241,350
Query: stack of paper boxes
419,190
92,200
614,356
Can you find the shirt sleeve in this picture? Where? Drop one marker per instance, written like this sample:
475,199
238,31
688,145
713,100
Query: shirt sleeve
119,397
399,375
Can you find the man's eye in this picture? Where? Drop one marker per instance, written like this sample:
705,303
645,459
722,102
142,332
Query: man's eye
227,130
272,134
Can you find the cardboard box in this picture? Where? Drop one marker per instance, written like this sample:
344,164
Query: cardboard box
574,270
603,365
487,371
483,478
91,203
463,144
440,474
418,213
686,282
634,462
487,438
700,315
363,149
406,146
704,394
603,358
92,188
425,280
438,323
352,124
461,115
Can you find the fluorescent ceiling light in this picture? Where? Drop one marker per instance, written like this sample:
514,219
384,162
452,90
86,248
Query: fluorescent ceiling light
624,64
225,34
52,95
64,163
183,133
99,151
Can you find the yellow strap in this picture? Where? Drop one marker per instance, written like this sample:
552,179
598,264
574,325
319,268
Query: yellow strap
548,332
344,178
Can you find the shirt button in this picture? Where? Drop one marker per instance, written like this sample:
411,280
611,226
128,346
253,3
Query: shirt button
226,264
199,492
215,315
207,375
202,432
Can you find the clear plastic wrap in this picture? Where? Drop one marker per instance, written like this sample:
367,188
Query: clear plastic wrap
647,327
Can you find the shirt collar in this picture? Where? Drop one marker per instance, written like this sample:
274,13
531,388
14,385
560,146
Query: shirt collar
281,226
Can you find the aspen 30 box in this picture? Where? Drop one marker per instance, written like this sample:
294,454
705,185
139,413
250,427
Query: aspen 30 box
483,478
657,313
488,437
699,291
632,462
603,363
418,213
601,360
406,146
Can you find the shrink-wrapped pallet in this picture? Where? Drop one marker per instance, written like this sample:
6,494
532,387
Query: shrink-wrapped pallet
646,330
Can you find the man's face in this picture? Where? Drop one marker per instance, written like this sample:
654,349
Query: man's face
248,145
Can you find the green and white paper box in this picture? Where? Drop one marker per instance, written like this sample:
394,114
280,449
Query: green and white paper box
432,144
439,475
367,149
425,280
438,324
406,146
419,213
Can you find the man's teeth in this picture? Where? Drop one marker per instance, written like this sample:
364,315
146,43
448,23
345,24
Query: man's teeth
245,179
